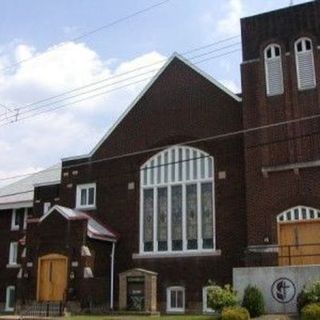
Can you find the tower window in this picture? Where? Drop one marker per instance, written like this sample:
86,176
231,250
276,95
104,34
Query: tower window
306,76
273,70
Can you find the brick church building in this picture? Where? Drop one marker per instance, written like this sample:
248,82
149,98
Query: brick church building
192,181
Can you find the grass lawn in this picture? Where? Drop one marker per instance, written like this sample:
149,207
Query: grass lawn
173,317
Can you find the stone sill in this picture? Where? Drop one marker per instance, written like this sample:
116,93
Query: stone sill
13,265
176,254
292,166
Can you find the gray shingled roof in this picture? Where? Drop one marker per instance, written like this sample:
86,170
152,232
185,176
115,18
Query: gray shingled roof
22,190
95,230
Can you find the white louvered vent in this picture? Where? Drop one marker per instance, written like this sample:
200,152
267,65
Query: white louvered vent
273,70
305,64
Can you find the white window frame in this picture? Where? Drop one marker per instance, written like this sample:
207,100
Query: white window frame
304,50
266,68
14,226
184,184
86,186
13,254
46,207
7,305
205,308
171,309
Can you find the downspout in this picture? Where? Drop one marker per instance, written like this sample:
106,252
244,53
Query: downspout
112,274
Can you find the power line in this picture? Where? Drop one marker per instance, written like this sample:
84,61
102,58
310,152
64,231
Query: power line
186,142
89,33
20,116
134,70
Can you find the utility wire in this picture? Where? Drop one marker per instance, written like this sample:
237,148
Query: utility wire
186,142
14,118
89,33
136,69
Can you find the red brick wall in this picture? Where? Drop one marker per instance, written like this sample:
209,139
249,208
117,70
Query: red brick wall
295,143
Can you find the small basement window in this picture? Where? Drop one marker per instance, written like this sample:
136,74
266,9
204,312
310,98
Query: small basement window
10,298
86,195
175,299
205,307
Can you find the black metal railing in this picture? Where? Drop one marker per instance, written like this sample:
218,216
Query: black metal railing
273,255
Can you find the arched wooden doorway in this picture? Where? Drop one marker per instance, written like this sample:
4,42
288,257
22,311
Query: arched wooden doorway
52,277
299,236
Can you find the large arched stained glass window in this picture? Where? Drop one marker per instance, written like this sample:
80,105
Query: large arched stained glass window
177,201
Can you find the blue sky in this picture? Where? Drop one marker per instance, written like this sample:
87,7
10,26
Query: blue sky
31,28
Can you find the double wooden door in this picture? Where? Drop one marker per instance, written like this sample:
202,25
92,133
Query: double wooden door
299,243
52,277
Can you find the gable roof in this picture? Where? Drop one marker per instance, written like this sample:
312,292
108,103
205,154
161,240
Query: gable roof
95,229
146,88
20,193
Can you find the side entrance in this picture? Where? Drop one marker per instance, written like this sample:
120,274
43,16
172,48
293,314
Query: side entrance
52,277
299,236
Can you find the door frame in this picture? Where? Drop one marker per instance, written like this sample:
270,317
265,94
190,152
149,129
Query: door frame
51,256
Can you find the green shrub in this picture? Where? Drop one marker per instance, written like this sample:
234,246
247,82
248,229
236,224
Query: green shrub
219,298
235,313
253,301
311,312
309,295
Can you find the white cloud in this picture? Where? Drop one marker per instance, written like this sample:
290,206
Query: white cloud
230,23
41,141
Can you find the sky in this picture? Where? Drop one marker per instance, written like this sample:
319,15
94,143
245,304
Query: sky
43,35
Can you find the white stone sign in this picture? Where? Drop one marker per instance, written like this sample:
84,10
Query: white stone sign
279,285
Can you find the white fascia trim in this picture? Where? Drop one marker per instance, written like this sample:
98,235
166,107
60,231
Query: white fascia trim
16,205
56,207
146,88
44,184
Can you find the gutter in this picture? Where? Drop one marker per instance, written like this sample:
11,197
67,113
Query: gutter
112,274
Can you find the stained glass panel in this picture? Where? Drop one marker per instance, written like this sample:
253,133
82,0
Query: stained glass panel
207,214
148,219
176,217
162,218
192,233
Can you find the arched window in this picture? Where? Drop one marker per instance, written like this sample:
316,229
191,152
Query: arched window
273,70
298,213
306,76
177,201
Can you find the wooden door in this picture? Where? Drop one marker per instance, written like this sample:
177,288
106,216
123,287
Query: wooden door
52,278
299,243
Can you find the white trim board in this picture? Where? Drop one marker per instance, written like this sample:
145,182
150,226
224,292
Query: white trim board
45,184
16,205
146,88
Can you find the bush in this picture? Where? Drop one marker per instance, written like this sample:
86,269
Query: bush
253,301
311,312
219,298
235,313
308,296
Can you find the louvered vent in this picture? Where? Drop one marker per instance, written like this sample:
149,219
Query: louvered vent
274,76
305,70
273,70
